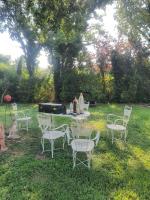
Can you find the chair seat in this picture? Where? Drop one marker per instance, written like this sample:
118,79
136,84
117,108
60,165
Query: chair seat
116,127
52,135
23,119
82,145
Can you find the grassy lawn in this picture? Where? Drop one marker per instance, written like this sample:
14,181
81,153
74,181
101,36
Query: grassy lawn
119,171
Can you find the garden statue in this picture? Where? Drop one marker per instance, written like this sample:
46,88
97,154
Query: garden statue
13,131
81,103
71,107
2,138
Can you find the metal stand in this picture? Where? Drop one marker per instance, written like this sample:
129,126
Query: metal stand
7,108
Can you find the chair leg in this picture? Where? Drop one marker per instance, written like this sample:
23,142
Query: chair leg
89,159
121,135
68,141
64,140
17,125
112,133
125,136
74,159
52,148
42,142
67,136
27,125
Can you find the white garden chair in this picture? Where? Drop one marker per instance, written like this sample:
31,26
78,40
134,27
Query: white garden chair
81,124
21,118
49,132
82,143
86,106
118,124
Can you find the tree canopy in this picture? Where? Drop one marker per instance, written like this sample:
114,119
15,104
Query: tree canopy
134,18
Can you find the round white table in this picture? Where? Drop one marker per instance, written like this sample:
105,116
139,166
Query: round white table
78,117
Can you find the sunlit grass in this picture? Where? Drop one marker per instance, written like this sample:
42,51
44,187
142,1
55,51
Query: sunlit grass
119,171
98,125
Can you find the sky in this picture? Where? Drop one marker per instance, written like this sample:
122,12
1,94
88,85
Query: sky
13,49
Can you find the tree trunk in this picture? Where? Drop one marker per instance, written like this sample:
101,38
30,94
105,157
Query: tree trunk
30,67
57,77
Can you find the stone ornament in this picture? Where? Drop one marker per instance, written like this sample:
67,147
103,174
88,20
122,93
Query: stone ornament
81,103
13,131
2,138
78,105
71,107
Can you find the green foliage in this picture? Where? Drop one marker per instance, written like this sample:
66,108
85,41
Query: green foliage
17,18
142,78
118,171
134,18
44,90
16,82
65,43
131,77
7,78
37,89
121,69
76,81
4,59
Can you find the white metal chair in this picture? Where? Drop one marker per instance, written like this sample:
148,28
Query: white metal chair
21,118
49,132
119,124
81,124
96,138
81,143
86,106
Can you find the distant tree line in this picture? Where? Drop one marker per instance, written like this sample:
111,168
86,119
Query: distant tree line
122,69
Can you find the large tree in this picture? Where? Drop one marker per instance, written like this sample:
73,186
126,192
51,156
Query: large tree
57,25
65,43
134,19
17,18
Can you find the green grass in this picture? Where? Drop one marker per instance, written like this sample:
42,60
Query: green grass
119,171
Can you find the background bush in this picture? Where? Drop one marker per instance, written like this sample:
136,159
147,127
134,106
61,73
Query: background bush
127,81
76,81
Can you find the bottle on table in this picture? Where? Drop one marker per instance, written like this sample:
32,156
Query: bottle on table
71,107
75,102
81,103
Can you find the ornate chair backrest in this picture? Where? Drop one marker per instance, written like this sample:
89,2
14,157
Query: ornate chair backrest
17,114
86,106
81,137
14,107
44,121
80,131
14,111
127,114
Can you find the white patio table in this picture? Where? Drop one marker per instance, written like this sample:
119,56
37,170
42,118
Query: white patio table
77,117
